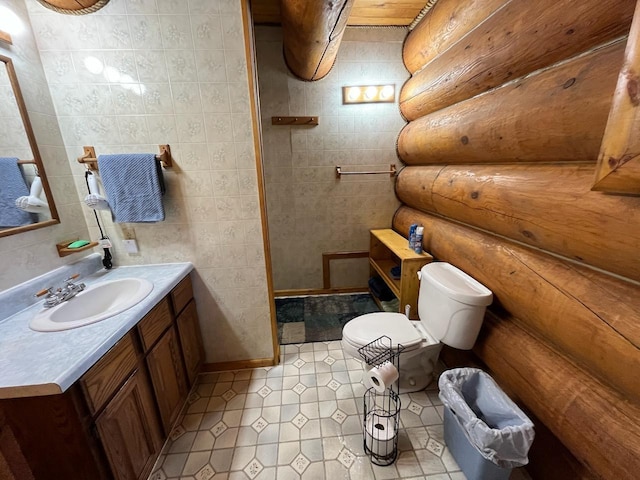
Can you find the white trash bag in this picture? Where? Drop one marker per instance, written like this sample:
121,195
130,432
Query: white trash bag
492,422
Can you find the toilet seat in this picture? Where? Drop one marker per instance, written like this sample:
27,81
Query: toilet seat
366,328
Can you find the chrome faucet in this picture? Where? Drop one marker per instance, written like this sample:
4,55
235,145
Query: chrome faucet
61,294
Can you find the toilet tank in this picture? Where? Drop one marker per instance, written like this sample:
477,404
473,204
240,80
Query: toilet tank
451,304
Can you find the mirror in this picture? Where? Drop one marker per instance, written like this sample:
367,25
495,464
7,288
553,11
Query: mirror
18,141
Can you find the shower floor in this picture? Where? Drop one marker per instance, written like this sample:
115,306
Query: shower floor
319,318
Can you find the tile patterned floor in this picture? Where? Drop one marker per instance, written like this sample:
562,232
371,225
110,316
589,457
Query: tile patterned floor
299,420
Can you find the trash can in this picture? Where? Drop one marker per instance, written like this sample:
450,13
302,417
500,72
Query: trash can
484,429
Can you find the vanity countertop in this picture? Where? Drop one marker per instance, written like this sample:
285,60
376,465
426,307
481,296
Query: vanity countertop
46,363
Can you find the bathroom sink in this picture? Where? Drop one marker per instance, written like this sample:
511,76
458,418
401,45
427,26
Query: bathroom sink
94,304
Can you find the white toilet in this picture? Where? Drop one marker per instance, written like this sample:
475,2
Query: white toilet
451,308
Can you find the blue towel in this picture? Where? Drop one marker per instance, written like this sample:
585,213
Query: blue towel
12,186
132,182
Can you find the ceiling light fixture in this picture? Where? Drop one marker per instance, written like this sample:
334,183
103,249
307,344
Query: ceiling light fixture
368,94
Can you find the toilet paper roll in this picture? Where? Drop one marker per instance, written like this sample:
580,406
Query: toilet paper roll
380,435
382,377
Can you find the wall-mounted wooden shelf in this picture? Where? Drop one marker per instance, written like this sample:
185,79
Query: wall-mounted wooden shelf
294,121
63,251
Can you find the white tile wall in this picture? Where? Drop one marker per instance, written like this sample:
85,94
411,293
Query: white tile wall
310,212
139,73
27,255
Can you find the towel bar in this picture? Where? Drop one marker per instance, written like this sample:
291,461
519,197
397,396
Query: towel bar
91,159
391,172
26,162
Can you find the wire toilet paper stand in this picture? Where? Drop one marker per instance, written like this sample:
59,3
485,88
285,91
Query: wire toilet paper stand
381,402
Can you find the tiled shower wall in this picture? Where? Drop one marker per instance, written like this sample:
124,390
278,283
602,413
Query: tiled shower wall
26,255
140,73
310,212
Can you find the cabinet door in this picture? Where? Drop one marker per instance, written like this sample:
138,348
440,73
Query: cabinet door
13,465
129,429
168,377
191,340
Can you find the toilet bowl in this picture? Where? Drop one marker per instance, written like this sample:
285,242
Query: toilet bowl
451,307
420,354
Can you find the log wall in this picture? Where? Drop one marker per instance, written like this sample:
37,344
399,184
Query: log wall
485,58
447,22
507,108
521,202
557,114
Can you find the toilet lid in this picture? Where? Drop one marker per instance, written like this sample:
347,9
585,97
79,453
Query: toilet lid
367,328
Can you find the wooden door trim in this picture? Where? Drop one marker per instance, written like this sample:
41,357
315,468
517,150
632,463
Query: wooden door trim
250,56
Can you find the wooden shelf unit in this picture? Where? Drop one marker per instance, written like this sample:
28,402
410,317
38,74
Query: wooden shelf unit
388,249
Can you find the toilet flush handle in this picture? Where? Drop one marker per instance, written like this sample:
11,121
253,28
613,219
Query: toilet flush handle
407,310
419,275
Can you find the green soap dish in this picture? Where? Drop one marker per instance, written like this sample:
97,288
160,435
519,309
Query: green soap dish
78,244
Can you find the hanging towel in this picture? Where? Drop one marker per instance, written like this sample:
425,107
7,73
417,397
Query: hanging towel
133,183
12,186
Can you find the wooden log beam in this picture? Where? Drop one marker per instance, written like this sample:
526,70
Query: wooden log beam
446,23
554,115
516,40
623,179
521,202
618,168
590,316
311,35
597,424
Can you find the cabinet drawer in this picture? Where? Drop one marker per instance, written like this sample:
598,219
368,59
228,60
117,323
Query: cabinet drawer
181,294
108,374
154,323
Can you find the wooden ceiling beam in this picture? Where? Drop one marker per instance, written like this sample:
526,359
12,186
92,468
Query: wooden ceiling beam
363,13
311,35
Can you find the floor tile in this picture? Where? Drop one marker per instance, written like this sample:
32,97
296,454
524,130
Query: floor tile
301,420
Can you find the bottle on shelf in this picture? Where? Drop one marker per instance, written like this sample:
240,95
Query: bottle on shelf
417,245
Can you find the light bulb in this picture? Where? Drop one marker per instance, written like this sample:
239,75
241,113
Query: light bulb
370,93
387,92
354,93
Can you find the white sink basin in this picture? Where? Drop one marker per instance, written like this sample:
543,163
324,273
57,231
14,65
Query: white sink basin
96,303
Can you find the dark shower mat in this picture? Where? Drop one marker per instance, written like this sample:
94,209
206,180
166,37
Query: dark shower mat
320,317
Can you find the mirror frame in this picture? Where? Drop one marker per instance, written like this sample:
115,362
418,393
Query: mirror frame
55,219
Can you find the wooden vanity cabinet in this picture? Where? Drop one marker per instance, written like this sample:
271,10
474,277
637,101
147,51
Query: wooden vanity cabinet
112,423
170,335
184,309
129,430
190,340
13,465
168,377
